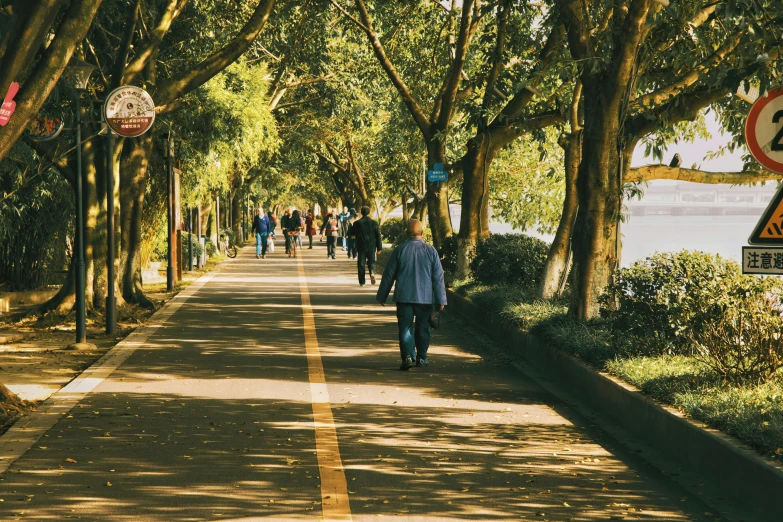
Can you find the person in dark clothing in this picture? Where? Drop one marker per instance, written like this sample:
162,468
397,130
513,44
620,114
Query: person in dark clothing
261,230
415,270
368,243
295,224
310,228
272,223
284,224
352,253
331,225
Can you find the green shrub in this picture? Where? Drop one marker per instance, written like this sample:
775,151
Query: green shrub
197,248
652,304
392,229
744,343
211,249
509,259
448,254
685,303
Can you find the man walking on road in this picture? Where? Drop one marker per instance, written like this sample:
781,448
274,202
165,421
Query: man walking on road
416,268
261,228
367,235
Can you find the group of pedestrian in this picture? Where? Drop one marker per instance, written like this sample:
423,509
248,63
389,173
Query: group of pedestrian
413,268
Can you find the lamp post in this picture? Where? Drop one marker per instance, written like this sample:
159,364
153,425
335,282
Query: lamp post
170,206
79,73
190,239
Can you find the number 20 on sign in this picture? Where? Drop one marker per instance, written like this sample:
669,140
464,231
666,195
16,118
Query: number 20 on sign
764,136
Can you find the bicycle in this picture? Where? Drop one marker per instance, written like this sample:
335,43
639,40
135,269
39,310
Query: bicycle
292,242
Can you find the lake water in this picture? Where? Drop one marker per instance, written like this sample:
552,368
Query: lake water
644,235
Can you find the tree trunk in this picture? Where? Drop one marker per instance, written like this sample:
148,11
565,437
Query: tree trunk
438,198
475,199
558,258
94,250
236,215
599,194
65,299
133,183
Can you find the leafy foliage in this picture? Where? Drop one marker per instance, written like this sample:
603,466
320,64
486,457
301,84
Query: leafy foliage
690,303
509,259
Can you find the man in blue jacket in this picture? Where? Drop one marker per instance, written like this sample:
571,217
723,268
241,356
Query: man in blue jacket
261,228
416,268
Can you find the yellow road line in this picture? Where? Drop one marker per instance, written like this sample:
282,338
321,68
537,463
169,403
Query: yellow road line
334,488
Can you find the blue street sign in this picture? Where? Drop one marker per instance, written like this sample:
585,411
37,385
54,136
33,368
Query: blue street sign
437,174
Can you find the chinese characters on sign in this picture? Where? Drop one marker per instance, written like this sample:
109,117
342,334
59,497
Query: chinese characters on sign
9,105
129,111
762,260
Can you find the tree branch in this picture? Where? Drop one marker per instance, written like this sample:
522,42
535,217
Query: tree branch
497,62
139,62
691,76
651,172
220,59
451,84
121,58
626,48
407,97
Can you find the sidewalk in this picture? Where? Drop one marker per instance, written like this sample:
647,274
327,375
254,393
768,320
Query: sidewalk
212,418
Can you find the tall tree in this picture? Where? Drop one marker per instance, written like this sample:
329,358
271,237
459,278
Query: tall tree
646,68
435,126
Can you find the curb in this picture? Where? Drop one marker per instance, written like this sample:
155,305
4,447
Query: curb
739,472
26,431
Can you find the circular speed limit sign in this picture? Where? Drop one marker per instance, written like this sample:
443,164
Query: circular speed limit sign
764,130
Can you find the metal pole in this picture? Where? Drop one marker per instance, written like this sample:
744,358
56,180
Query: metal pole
190,239
81,334
170,191
111,303
198,233
217,222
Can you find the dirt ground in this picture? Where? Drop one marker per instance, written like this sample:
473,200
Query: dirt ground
34,363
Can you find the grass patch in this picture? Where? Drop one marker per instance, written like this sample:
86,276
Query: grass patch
750,412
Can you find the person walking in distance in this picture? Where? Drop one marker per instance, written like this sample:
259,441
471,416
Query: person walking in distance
415,267
261,229
295,225
344,217
310,228
352,253
284,224
331,226
368,242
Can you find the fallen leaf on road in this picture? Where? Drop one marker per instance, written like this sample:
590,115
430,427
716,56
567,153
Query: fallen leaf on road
69,459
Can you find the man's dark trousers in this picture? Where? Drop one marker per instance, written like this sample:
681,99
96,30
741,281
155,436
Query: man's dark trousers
367,258
330,240
414,341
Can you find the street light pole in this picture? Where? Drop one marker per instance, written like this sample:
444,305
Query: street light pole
170,206
81,327
111,304
190,239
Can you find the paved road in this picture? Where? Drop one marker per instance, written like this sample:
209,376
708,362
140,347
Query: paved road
274,392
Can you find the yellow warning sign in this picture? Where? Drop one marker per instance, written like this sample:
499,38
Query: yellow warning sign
769,229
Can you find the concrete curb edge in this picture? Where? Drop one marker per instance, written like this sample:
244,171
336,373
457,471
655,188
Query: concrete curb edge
737,470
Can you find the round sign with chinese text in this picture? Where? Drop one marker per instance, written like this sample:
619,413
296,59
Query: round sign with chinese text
129,111
764,130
